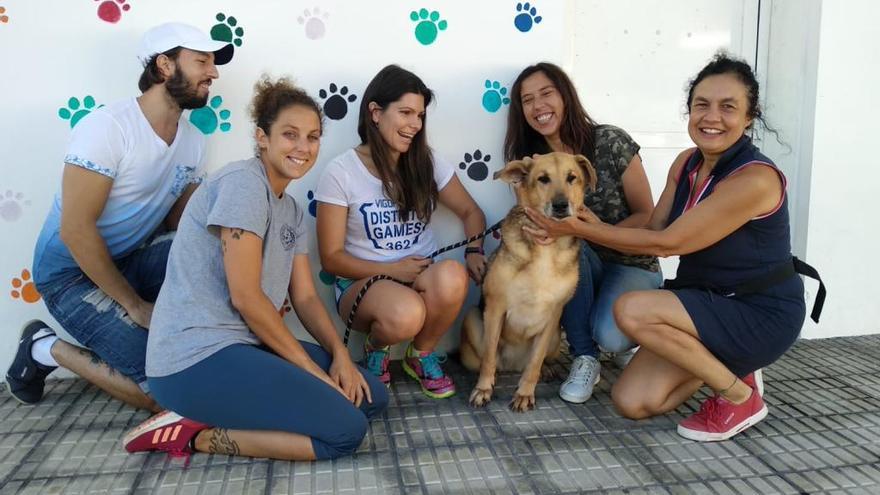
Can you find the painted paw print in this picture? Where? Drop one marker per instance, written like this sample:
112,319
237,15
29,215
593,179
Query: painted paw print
429,24
111,10
527,17
3,17
476,165
313,203
326,278
315,23
495,96
336,105
285,307
23,288
11,205
206,118
227,29
75,110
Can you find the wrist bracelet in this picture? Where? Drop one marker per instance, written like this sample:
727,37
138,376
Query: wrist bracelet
473,250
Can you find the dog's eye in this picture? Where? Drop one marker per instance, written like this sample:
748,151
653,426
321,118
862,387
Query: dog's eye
571,178
544,179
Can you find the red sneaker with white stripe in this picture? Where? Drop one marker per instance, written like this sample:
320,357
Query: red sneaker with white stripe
720,419
165,432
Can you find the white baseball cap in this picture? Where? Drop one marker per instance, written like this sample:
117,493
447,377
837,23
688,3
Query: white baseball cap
170,35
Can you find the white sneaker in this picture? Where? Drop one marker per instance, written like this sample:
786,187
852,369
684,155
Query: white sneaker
583,376
621,359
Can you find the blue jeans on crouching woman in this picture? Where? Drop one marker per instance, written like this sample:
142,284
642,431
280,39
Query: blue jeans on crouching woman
588,319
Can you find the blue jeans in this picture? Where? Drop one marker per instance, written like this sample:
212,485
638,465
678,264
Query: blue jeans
245,387
101,324
588,319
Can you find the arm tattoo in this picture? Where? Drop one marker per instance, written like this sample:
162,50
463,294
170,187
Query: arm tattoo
223,245
236,233
221,443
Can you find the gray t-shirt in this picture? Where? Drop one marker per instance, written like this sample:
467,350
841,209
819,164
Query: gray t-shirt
194,317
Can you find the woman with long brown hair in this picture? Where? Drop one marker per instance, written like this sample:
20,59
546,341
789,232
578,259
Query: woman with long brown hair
547,115
375,203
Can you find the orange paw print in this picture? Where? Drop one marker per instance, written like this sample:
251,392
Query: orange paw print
23,288
3,17
285,307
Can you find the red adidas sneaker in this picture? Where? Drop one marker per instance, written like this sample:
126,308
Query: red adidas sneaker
720,419
165,432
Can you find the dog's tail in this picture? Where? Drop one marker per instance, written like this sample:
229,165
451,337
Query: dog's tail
471,339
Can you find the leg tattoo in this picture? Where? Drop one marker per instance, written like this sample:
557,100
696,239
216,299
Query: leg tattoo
221,443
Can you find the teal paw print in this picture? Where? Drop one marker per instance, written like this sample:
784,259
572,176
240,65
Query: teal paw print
227,29
495,96
429,24
76,111
210,116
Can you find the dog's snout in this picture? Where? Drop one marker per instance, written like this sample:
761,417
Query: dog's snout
560,206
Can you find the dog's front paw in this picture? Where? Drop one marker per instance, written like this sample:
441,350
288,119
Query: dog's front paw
481,396
522,402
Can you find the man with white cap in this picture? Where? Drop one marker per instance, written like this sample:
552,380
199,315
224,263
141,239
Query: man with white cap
100,258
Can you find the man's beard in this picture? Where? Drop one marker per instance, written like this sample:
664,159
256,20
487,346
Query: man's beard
184,93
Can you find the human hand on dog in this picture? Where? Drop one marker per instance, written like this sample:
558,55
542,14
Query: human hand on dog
354,386
547,229
476,266
407,269
587,216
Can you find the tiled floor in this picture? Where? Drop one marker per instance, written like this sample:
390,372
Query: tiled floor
822,435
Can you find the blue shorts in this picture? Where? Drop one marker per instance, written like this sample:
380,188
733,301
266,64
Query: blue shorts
101,324
340,285
245,387
747,332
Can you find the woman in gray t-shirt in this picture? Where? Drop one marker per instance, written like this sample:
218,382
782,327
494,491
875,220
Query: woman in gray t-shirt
219,352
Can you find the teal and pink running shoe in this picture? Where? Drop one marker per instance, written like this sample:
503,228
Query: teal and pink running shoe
376,361
425,368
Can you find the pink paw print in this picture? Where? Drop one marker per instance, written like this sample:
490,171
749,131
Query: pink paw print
111,10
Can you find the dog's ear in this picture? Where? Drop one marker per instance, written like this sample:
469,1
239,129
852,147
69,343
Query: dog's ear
514,172
589,171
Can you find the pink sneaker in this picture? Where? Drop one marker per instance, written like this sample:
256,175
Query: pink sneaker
756,381
720,419
165,432
425,368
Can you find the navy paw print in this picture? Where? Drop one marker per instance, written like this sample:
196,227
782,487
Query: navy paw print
336,104
476,165
527,17
313,203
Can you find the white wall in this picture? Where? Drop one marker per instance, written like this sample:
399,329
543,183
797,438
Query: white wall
630,60
842,233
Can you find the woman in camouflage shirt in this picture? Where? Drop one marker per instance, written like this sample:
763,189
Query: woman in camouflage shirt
547,115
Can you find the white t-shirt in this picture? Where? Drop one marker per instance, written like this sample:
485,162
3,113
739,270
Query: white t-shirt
148,176
374,231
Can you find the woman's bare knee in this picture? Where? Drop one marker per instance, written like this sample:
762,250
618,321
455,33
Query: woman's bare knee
448,283
628,310
629,404
402,320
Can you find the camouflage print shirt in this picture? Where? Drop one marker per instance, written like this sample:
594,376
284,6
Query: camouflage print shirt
615,149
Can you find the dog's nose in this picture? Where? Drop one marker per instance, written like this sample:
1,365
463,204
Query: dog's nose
560,207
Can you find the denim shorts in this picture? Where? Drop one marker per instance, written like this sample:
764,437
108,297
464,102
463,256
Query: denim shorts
101,324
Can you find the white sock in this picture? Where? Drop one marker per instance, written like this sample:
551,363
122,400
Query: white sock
41,350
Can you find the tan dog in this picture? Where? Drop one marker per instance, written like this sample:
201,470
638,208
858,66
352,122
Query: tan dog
527,284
